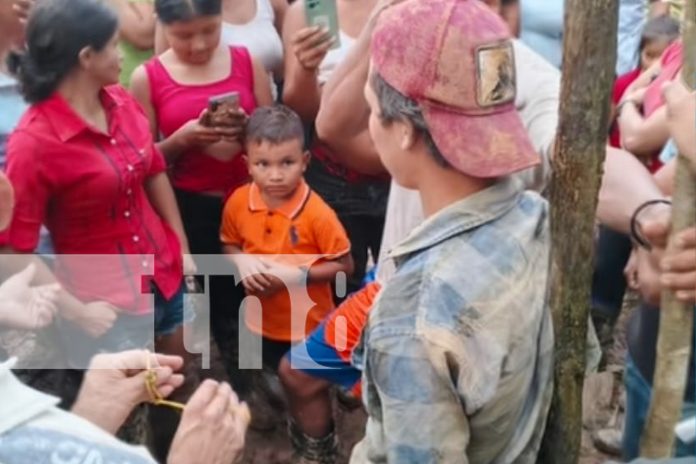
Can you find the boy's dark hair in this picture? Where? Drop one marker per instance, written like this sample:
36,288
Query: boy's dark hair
661,28
393,106
56,33
274,124
171,11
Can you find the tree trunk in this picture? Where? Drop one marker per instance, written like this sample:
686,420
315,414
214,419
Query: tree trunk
589,58
676,319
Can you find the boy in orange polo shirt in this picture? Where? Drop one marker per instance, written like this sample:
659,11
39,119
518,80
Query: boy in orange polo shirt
282,236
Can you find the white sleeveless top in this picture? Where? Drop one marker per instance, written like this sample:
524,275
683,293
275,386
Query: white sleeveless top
259,36
334,57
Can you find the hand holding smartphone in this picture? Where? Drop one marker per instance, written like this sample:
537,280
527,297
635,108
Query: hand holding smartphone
323,13
221,110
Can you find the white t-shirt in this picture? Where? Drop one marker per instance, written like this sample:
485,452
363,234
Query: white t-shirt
34,431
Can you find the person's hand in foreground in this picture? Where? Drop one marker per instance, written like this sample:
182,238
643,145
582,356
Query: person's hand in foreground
664,267
213,426
115,384
25,307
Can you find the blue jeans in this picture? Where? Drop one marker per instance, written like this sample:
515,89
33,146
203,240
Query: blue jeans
638,392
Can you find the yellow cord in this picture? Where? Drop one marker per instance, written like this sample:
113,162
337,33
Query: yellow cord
158,400
155,396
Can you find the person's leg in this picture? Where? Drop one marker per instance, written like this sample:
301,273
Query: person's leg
637,404
608,281
201,216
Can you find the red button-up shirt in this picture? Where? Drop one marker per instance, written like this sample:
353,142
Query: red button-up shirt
89,189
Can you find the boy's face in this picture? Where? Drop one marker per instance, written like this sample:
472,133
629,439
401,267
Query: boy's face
651,52
277,169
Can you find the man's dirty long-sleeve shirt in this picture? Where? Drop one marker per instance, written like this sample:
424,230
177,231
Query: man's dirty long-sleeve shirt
457,354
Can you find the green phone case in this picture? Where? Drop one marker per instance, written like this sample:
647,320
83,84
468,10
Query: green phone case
324,13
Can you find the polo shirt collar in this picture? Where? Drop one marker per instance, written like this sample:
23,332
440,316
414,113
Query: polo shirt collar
289,209
66,122
461,216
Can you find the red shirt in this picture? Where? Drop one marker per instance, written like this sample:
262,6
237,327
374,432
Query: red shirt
176,104
620,86
89,190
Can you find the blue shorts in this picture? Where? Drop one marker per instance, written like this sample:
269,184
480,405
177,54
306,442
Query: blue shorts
319,359
171,314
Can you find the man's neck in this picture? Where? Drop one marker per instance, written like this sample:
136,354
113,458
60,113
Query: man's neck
443,187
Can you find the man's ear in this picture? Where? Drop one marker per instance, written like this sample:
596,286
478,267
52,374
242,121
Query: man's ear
409,135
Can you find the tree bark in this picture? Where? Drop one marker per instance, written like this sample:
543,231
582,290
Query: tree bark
589,58
676,319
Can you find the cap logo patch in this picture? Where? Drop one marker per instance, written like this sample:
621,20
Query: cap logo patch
495,74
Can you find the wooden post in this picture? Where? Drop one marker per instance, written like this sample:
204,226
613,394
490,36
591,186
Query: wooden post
589,57
676,319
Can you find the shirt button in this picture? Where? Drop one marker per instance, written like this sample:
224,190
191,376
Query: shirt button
113,141
126,213
144,263
136,238
130,167
129,192
142,151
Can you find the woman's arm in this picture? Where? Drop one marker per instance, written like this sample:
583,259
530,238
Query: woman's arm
301,90
162,198
643,136
136,22
280,8
262,84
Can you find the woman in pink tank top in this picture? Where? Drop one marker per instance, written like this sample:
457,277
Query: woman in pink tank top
205,163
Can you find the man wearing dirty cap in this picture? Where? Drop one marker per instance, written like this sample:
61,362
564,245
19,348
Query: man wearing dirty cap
457,353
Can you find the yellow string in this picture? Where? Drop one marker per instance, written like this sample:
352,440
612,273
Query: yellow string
155,396
158,400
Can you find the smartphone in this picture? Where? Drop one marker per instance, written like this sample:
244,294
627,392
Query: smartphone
218,106
324,13
223,101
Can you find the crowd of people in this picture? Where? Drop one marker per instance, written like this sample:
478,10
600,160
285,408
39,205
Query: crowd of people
391,171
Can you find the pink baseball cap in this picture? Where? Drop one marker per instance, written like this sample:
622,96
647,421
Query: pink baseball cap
455,58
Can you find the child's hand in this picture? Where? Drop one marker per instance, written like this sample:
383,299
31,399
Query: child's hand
253,273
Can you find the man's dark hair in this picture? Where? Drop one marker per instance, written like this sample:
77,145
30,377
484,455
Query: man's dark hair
171,11
274,124
393,106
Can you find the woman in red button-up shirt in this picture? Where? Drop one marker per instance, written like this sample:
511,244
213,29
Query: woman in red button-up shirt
82,161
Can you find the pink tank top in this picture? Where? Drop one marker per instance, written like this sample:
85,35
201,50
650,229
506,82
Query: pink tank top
175,104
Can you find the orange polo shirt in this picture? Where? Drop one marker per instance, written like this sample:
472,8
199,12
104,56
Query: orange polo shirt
293,234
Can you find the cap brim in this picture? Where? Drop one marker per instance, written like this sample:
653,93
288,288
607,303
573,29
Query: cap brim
492,145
